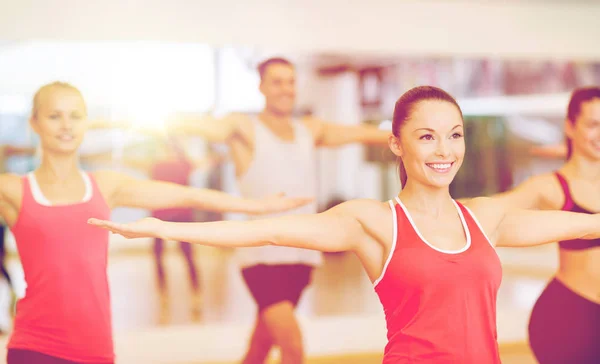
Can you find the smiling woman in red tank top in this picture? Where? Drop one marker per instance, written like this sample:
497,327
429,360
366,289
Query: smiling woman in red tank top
432,260
65,314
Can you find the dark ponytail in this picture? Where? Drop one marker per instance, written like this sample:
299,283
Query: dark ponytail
402,173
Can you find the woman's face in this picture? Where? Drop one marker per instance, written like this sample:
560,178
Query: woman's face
60,120
431,143
584,132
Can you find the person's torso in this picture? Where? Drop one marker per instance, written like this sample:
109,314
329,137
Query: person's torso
66,308
579,266
280,166
440,306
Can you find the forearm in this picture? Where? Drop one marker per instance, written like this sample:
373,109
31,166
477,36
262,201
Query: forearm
12,150
336,135
536,227
233,234
315,232
155,195
108,124
207,127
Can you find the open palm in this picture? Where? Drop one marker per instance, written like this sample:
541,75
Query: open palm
145,228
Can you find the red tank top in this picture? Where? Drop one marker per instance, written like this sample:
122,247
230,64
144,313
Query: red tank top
440,307
66,309
177,171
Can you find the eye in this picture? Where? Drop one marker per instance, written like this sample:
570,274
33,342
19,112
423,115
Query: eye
457,135
426,137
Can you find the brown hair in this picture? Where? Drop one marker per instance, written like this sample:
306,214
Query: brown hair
264,65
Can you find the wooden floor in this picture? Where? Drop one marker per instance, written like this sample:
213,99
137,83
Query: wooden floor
520,355
340,288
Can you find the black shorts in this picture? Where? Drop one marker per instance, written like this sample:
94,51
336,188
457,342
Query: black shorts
271,284
564,327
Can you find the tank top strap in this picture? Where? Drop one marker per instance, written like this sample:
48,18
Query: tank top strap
568,205
301,132
27,192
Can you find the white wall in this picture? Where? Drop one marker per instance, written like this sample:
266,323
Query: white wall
541,29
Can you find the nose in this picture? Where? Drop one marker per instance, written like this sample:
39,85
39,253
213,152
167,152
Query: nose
443,149
66,123
289,88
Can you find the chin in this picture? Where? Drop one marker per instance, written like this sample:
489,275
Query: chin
441,182
66,148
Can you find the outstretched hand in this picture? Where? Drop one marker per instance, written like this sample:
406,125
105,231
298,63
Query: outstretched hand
279,203
148,227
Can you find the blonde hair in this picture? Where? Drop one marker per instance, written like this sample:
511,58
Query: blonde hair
48,88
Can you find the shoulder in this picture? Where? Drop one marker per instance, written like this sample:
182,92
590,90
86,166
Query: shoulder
237,120
9,184
315,125
542,182
370,214
11,191
108,180
489,211
361,207
539,192
239,124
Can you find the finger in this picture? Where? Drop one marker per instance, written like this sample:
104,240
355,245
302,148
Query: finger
304,200
98,222
105,224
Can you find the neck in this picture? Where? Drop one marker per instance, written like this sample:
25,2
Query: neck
430,200
58,167
584,167
272,115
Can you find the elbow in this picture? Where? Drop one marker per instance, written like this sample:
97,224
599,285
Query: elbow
275,240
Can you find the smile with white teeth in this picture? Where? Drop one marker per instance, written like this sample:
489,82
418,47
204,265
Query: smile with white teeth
65,137
440,167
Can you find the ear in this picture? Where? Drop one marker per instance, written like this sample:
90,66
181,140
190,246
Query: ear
33,124
569,128
395,145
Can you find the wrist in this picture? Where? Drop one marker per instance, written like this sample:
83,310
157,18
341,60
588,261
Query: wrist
162,230
253,206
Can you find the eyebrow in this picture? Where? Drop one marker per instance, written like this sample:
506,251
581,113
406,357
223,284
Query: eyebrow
433,131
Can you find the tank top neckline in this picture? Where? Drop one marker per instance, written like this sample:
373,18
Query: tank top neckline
465,227
41,199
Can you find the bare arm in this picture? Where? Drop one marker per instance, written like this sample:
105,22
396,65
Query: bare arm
515,227
332,134
332,231
550,151
531,194
13,150
108,124
10,197
533,227
126,191
209,128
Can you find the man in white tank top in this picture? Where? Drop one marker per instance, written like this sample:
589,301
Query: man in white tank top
276,153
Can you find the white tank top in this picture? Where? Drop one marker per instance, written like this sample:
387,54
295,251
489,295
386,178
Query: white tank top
280,166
